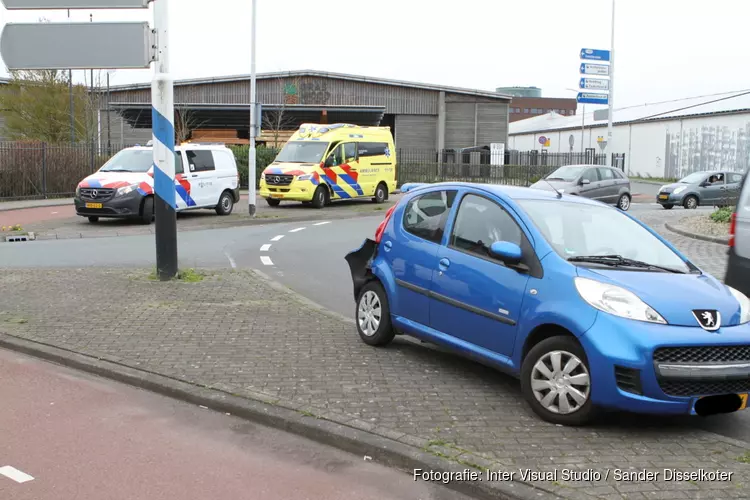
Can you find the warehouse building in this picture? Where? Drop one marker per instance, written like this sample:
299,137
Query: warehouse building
665,139
421,116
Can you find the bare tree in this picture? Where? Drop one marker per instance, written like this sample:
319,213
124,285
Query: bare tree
279,120
185,122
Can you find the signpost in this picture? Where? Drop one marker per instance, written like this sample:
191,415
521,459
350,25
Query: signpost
254,121
592,98
111,46
594,69
594,84
595,55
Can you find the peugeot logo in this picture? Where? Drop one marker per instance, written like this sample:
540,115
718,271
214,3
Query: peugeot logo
277,179
94,193
709,319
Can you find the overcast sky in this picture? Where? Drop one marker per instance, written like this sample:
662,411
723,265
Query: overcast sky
665,49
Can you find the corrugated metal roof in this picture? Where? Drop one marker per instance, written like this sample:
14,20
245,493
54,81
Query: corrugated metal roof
322,74
729,102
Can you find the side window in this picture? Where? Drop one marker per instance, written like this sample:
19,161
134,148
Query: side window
372,148
607,174
350,152
618,174
591,175
735,178
716,179
425,216
480,223
335,158
200,161
178,166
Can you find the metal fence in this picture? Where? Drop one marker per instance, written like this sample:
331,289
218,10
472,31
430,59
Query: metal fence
517,168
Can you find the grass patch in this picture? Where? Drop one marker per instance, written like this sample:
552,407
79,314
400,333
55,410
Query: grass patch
722,215
745,459
663,180
187,275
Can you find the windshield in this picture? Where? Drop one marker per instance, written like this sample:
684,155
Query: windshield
302,152
576,229
568,173
130,160
693,178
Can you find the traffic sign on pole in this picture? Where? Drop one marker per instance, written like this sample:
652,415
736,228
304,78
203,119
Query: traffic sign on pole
595,54
77,46
593,84
74,4
594,69
592,98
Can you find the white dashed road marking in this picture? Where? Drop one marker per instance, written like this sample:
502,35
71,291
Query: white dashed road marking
277,238
266,260
296,230
15,474
321,223
231,261
265,247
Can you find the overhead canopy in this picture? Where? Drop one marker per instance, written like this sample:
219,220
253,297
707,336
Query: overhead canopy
237,116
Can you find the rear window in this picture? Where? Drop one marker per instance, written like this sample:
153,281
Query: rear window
425,216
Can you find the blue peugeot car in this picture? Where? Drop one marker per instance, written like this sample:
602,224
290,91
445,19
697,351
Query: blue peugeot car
591,309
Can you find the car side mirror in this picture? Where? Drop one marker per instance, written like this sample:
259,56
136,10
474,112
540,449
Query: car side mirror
583,182
508,252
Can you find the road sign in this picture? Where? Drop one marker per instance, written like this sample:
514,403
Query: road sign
74,4
542,140
594,84
571,140
594,69
591,98
601,114
77,46
595,54
603,145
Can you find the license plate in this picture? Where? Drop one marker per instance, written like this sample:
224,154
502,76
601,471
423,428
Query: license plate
743,397
277,196
663,196
93,205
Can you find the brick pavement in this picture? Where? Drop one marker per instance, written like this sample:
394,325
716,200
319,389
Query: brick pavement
236,333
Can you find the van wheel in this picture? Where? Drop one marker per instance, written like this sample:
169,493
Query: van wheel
668,207
556,381
147,212
374,316
380,193
226,204
691,202
93,218
321,198
273,202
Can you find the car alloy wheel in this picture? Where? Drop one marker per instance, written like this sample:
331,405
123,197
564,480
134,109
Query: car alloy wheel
624,203
370,313
560,382
691,202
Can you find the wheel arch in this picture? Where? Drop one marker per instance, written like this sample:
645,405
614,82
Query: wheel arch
543,332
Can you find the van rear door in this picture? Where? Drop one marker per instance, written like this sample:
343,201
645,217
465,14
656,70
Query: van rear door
738,270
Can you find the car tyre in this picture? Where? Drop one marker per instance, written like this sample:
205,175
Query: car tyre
691,202
624,202
273,202
147,212
320,197
668,207
380,194
93,219
543,375
226,204
373,316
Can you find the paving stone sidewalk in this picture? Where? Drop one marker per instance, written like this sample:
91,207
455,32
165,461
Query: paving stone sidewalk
235,332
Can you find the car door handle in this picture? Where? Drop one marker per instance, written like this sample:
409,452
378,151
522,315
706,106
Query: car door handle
444,264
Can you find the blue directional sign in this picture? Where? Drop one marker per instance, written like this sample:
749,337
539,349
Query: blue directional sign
595,54
593,84
594,69
592,98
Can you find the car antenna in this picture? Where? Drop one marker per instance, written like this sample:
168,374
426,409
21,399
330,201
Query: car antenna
559,194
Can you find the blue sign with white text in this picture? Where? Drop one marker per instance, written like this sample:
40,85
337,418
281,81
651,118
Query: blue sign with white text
595,54
591,98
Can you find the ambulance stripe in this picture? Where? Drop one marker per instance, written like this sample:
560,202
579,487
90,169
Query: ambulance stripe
351,182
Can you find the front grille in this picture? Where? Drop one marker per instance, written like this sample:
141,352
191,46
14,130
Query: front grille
279,180
628,379
698,388
707,354
101,193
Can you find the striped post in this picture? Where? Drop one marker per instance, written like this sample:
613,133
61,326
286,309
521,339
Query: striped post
162,97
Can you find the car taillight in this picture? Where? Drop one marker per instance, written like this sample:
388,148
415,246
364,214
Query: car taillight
381,228
732,229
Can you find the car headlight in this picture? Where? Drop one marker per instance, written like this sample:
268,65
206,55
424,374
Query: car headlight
679,189
78,191
616,300
305,177
744,305
126,189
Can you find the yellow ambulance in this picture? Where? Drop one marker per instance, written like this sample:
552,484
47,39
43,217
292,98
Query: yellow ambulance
321,163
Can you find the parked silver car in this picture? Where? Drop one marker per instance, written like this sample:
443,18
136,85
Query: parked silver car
606,184
717,189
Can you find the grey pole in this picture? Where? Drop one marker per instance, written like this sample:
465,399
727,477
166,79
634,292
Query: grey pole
70,91
611,88
109,121
251,161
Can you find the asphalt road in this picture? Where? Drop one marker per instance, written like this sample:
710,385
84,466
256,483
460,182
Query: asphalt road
307,257
70,435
